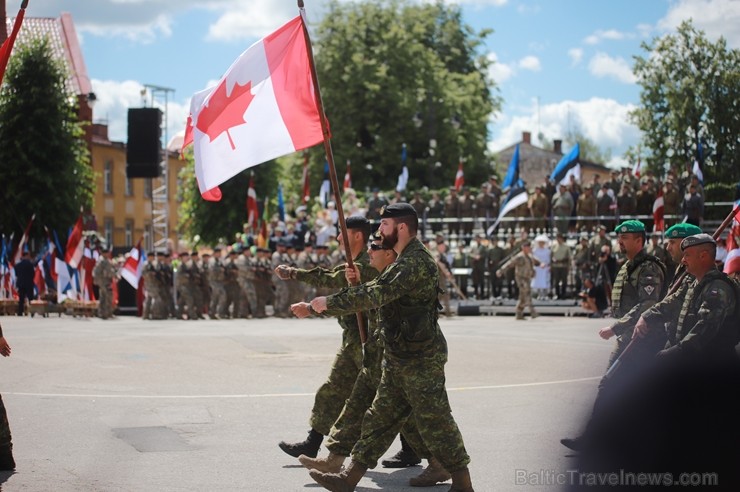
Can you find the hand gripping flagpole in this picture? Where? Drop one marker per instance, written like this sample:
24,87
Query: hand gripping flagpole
674,287
330,158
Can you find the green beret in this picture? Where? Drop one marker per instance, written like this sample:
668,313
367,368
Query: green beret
696,240
630,226
400,209
681,231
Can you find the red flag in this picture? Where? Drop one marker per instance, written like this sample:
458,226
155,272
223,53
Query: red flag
134,265
75,245
39,278
22,243
7,46
347,178
252,211
264,107
86,278
732,262
306,187
459,177
733,237
638,167
658,212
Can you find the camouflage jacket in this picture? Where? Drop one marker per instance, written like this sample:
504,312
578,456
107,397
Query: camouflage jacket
406,294
638,286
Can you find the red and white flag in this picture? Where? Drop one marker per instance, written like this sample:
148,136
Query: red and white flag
39,278
75,245
264,107
459,177
732,261
733,236
347,178
86,275
22,242
638,168
133,266
252,211
659,212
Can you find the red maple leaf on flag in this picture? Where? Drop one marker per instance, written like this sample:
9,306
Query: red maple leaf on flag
225,112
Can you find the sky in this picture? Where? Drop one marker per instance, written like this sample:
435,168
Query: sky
560,65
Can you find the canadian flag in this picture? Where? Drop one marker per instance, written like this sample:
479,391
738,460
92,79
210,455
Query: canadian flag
347,178
75,245
459,177
133,266
265,106
252,211
658,212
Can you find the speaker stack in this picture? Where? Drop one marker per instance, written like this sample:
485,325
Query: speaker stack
143,149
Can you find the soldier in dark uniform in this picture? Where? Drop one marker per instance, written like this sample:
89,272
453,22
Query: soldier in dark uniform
7,463
331,396
412,382
452,212
496,255
467,215
435,212
167,285
638,286
103,275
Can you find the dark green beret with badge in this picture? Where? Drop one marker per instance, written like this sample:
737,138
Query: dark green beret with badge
696,240
630,226
681,231
397,210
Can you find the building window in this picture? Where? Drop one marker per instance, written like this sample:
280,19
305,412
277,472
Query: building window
148,237
129,187
129,233
108,178
108,231
147,187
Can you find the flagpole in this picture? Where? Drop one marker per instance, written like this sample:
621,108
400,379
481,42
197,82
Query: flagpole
330,157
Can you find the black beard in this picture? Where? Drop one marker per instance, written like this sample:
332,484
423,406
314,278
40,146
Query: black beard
390,241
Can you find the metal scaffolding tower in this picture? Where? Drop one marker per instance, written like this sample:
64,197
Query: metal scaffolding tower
159,97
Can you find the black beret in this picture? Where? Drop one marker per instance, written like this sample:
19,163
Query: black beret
357,222
400,209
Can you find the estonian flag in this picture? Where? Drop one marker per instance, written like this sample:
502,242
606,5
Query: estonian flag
517,196
568,162
512,175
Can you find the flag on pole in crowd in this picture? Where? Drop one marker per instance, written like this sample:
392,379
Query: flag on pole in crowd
347,177
512,174
697,171
7,46
39,278
263,236
403,178
264,107
281,203
732,261
659,212
86,278
733,236
5,284
459,177
575,172
66,282
566,163
134,265
306,187
252,211
22,243
517,196
75,245
637,168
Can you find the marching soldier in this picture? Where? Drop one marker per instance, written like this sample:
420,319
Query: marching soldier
103,275
151,285
167,285
246,277
202,286
216,279
281,305
523,265
185,287
231,285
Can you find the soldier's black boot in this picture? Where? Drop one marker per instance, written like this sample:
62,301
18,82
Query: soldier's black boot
405,457
309,447
576,443
6,458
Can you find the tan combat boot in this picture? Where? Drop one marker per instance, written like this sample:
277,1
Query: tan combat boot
433,474
342,482
331,464
520,315
533,314
461,481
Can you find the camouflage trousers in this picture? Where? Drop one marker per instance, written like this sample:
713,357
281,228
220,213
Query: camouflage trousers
105,305
186,302
281,301
218,299
525,296
154,305
5,438
332,395
412,389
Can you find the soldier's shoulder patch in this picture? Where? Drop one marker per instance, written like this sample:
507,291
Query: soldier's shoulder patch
649,289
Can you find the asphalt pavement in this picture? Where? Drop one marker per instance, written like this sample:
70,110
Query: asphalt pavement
133,405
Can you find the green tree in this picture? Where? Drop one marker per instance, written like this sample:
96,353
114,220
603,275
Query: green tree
395,72
45,162
690,100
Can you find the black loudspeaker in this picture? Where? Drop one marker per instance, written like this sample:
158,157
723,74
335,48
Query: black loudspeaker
143,149
468,309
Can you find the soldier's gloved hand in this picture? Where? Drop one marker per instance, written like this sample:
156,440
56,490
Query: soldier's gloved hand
319,304
283,272
301,309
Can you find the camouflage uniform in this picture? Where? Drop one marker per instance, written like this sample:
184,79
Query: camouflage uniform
263,278
523,266
153,300
216,279
560,266
413,378
202,288
233,291
185,288
246,277
167,287
495,255
331,396
103,275
281,304
538,207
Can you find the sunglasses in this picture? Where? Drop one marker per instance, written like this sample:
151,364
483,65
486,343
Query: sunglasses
377,247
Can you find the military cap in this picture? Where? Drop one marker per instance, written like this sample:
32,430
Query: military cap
263,250
395,210
235,251
299,248
194,253
526,242
357,222
680,231
216,250
160,253
184,253
696,240
630,226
